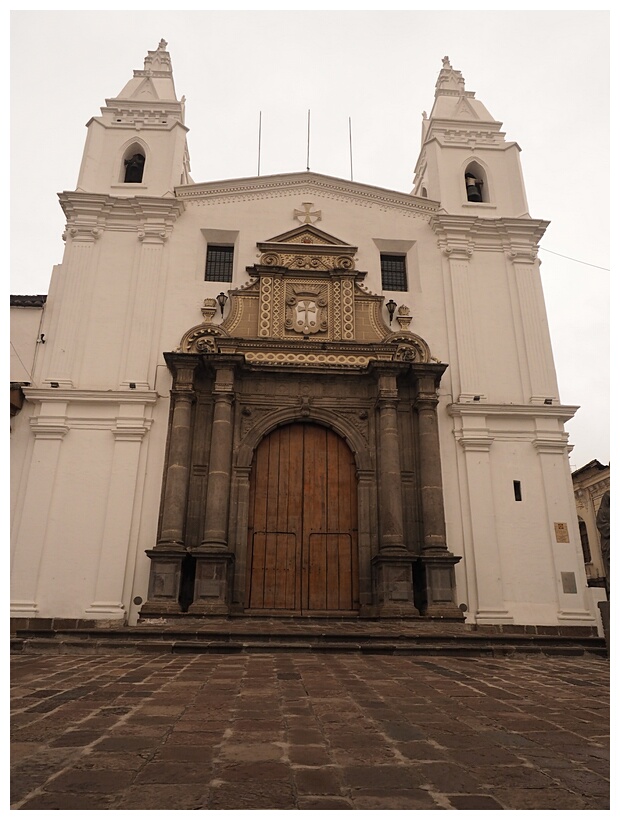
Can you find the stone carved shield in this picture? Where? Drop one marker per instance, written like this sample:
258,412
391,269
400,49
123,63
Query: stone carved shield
306,312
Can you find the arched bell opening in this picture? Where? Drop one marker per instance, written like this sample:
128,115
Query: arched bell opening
133,164
476,183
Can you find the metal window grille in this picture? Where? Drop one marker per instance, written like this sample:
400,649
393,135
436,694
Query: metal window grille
219,266
393,272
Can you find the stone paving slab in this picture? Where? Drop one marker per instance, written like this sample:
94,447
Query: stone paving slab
302,731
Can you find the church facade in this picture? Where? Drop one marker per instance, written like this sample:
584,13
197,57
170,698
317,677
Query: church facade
294,394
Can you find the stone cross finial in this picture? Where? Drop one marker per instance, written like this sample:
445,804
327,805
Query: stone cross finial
162,45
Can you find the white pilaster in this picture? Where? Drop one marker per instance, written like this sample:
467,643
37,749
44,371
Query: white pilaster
66,339
484,553
563,533
49,428
131,427
145,308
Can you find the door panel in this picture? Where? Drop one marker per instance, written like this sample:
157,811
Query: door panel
302,539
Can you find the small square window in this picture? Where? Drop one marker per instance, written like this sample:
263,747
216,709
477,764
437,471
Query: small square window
219,266
393,272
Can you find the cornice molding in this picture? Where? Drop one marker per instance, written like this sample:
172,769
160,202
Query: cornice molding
478,442
306,183
552,446
88,214
52,394
518,237
562,412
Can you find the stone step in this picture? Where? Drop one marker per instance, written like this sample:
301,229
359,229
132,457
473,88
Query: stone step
175,641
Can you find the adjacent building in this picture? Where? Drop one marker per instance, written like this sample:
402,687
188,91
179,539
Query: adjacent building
590,483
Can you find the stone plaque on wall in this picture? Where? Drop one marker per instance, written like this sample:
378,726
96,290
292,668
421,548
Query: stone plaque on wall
569,583
561,532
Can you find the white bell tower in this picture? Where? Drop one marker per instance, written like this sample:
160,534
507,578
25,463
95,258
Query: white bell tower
465,162
138,147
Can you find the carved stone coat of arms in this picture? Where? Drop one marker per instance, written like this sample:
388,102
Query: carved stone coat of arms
306,311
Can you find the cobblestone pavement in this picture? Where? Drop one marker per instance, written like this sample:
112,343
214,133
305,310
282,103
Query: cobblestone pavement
309,731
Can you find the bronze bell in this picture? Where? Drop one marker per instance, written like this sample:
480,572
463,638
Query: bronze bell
474,188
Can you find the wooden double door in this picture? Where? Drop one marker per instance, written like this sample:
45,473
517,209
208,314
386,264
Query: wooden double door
302,534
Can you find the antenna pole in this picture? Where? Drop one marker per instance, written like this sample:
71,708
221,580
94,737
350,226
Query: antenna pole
308,152
260,115
351,149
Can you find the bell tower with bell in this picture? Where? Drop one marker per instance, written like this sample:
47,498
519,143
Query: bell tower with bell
466,163
138,147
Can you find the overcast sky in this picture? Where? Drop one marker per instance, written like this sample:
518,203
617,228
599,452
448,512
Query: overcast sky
545,75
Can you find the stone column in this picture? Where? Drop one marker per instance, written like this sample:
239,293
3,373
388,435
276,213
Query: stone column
392,567
436,561
390,494
214,560
168,553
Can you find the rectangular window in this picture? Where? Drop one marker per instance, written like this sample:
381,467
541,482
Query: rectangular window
219,266
517,490
393,272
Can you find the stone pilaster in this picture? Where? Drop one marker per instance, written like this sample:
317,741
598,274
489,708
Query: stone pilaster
564,539
456,240
476,441
436,560
71,312
393,566
130,428
156,221
535,334
167,556
214,560
49,427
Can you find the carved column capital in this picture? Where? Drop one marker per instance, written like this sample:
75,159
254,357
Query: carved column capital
82,233
152,236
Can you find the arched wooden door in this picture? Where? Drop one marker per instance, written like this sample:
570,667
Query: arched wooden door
302,535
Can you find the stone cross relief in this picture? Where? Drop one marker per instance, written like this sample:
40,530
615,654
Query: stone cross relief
306,310
307,216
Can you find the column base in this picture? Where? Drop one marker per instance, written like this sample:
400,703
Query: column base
392,575
214,571
109,610
24,609
164,582
438,584
494,616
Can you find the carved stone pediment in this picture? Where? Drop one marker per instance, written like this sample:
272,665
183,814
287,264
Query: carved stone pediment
307,248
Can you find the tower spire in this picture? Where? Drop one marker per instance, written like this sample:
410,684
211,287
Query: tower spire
155,80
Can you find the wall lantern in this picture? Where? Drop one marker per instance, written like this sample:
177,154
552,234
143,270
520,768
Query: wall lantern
221,300
391,307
